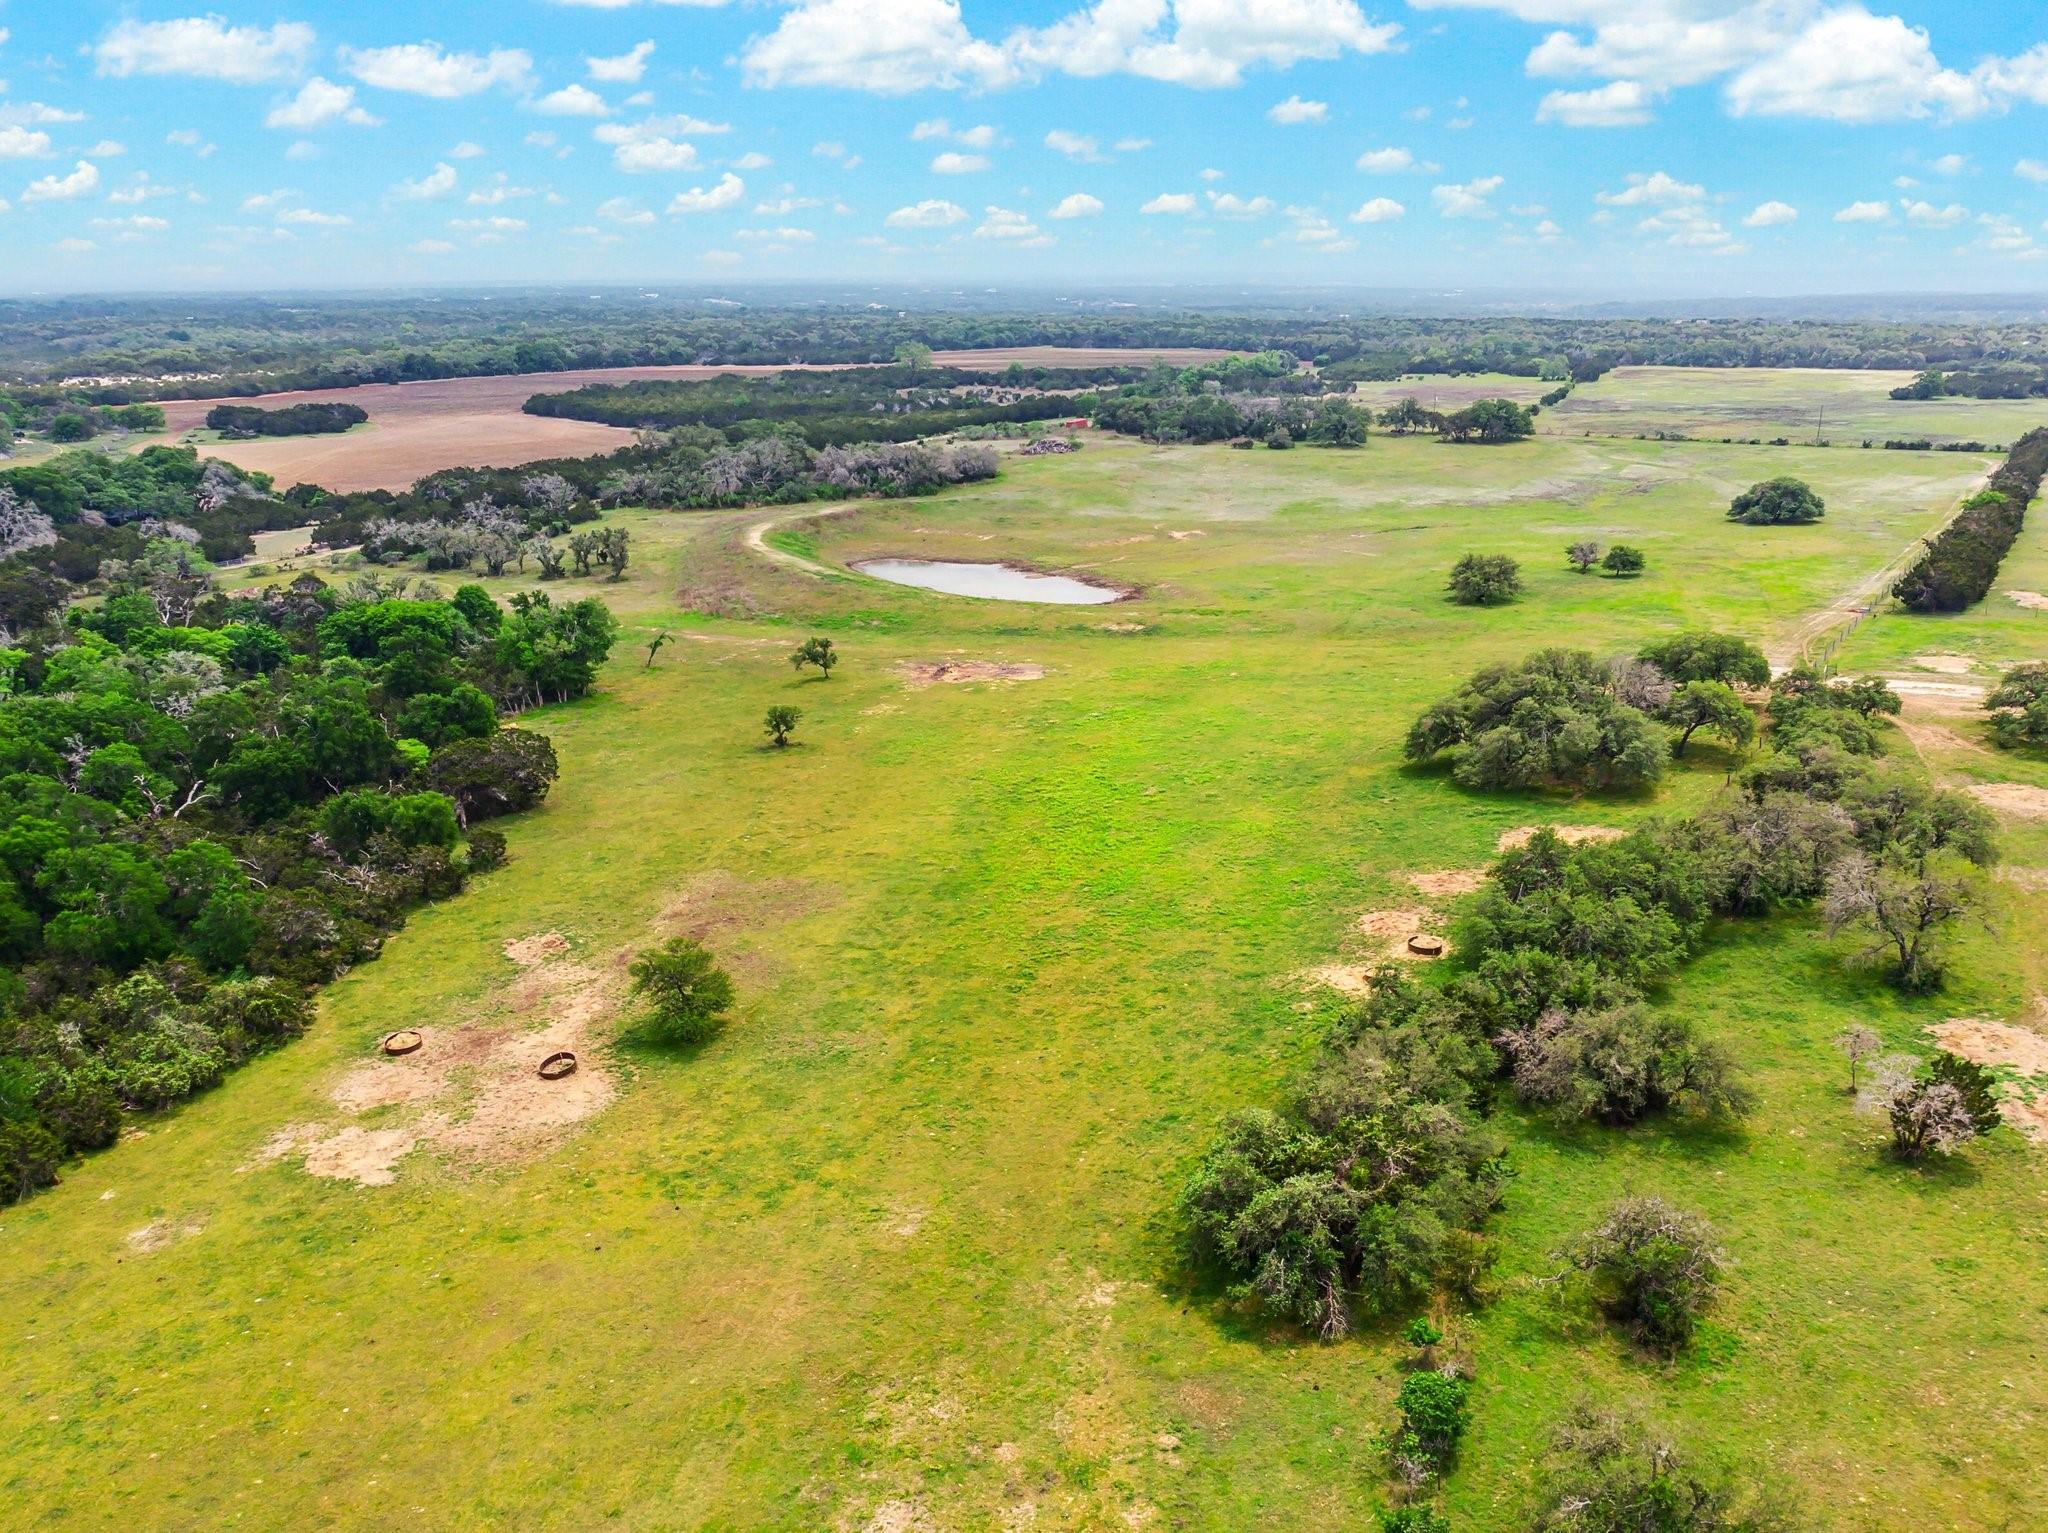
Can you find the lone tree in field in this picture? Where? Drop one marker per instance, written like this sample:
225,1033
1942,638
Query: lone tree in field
1857,1044
654,647
687,994
1712,706
1485,580
780,723
818,652
1622,559
1777,503
1654,1269
1583,555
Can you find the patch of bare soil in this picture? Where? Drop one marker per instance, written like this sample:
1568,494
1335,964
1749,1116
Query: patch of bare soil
1449,883
472,1091
2025,878
1179,537
1947,665
2033,601
718,901
1121,627
537,949
164,1232
1925,737
367,1157
1994,1043
1571,835
2017,799
2027,1116
926,673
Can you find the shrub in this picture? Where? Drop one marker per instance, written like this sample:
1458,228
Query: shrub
1654,1269
1485,580
1435,1410
1621,1065
780,722
1552,720
1932,1108
687,994
1777,503
29,1157
486,851
424,819
1624,560
1903,912
1608,1474
1582,555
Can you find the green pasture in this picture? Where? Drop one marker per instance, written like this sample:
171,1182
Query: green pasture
1839,406
896,1251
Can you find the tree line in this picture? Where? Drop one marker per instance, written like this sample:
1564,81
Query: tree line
212,802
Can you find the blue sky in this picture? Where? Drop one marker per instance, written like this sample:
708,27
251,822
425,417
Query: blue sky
1603,147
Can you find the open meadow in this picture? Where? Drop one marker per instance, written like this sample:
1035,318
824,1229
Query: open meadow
1840,406
1037,896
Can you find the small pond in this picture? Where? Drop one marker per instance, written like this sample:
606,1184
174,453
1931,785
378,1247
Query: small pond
996,582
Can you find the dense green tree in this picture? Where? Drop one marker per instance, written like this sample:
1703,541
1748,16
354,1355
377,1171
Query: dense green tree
686,993
1485,580
1654,1268
1777,503
1622,559
818,652
1490,420
781,722
1712,706
1698,655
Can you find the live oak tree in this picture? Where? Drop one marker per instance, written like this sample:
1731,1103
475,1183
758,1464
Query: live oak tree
780,722
1776,503
1622,559
686,992
1712,706
818,652
1485,580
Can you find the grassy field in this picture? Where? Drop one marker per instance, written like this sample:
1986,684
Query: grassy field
1843,407
895,1253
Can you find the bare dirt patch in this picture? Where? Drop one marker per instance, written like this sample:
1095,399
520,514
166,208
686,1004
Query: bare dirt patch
1947,665
1571,835
164,1232
1449,883
527,952
2027,1116
1122,627
1994,1043
2033,601
1181,537
1925,737
471,1091
2025,878
2016,799
927,673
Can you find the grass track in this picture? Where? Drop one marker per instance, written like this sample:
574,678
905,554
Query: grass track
896,1246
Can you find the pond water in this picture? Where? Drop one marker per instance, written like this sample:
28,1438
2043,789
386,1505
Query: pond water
996,582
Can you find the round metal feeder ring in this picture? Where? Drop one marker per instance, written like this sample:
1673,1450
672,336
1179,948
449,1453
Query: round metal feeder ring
1425,945
555,1066
405,1041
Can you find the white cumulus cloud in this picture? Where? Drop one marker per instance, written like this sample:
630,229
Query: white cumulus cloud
1076,205
932,213
621,68
1180,204
1466,199
1865,213
204,47
1379,210
1295,110
54,188
1770,215
426,69
319,101
702,199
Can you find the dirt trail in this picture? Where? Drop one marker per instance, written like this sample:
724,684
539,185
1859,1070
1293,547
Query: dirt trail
757,540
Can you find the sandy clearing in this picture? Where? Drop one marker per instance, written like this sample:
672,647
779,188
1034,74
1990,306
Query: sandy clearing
472,1090
1947,665
1450,882
2019,800
918,674
2033,601
1925,737
1571,835
1994,1043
